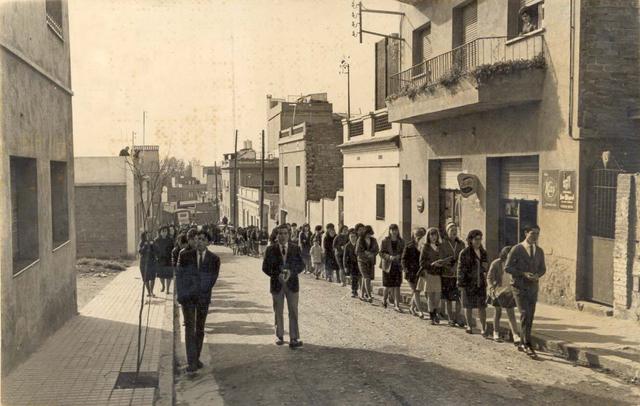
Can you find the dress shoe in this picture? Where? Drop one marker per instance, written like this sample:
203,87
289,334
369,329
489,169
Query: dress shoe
279,341
200,365
191,369
295,344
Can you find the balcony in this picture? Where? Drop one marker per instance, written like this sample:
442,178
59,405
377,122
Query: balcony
484,74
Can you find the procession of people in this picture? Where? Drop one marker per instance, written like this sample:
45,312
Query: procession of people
444,273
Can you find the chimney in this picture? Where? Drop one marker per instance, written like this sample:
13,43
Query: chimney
247,144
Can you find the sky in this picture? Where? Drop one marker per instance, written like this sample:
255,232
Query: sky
175,59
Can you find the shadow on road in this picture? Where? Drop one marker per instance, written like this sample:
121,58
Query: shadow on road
241,328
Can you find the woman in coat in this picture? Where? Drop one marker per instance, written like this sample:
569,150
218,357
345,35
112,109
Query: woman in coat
366,251
391,250
350,261
411,265
163,246
431,265
472,280
148,262
501,296
330,263
305,242
451,247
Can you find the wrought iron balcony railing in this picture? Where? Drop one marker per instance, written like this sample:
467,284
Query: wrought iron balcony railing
465,58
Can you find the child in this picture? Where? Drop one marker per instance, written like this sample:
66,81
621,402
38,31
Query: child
316,257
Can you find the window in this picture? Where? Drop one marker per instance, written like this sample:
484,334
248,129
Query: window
59,203
286,175
54,16
298,175
24,212
422,49
525,16
379,202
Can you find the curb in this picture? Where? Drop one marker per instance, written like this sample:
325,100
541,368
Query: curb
166,371
621,367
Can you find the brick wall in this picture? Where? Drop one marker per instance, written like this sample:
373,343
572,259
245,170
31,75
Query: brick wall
609,69
101,221
626,255
324,161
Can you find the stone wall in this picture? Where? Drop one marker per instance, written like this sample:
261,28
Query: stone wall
324,161
626,254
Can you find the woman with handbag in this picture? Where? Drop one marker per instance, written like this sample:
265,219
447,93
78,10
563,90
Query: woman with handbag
366,251
501,296
391,250
472,280
431,265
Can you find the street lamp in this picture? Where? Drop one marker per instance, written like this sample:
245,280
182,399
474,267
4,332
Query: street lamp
344,69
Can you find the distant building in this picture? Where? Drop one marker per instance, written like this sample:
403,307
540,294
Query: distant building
249,208
310,166
38,254
249,175
109,214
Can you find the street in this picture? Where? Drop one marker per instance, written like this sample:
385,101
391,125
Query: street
356,353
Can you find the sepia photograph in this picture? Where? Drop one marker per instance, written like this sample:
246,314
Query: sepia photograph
304,202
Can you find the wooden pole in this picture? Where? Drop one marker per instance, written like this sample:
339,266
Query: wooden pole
262,184
217,198
234,198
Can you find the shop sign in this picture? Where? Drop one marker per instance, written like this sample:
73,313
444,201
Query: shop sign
567,190
550,189
468,184
420,204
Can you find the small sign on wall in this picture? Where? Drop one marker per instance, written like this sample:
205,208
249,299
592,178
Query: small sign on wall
567,197
550,189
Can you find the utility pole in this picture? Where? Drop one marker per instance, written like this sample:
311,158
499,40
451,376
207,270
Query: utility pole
217,200
234,198
262,184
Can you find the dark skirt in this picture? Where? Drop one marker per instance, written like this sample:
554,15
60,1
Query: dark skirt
412,277
150,271
393,278
474,297
165,272
367,269
450,290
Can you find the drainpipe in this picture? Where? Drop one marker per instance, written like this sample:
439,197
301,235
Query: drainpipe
572,39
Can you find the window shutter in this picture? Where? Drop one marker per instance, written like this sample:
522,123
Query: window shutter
449,171
470,22
520,178
427,49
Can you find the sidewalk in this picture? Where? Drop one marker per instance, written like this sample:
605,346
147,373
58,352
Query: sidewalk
81,362
587,339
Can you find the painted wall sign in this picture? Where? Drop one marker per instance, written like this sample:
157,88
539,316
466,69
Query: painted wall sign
550,189
567,199
468,184
420,204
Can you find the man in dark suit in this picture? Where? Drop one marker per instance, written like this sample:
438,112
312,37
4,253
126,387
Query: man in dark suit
526,265
282,263
196,274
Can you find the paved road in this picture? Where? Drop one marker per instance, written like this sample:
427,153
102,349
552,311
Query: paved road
356,353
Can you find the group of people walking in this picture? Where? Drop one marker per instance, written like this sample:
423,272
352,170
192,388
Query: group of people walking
453,274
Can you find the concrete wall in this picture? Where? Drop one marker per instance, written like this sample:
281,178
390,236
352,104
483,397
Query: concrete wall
293,199
35,122
323,212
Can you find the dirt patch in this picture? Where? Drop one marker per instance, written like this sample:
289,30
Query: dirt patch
92,275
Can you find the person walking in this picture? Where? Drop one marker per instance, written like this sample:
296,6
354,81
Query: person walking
316,257
366,250
391,249
282,263
148,262
330,263
411,265
472,281
196,275
181,243
295,234
338,250
317,233
501,296
526,264
431,265
350,261
451,247
163,246
305,242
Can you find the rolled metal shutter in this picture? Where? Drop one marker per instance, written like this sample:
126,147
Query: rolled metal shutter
470,22
520,178
449,171
427,49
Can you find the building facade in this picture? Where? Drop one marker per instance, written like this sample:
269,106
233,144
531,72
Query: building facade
109,214
509,120
38,277
249,208
249,175
310,167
